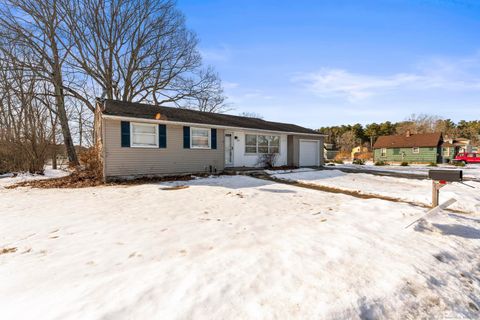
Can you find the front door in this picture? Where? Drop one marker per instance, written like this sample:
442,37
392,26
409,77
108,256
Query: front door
228,149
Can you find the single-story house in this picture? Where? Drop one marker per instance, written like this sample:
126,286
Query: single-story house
146,140
412,148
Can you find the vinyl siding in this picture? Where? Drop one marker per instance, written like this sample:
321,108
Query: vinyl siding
426,155
123,162
290,150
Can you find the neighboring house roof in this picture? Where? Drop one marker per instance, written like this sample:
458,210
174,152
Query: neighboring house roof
413,140
329,146
457,142
148,111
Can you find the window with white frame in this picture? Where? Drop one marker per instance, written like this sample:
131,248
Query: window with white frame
250,143
262,144
383,152
144,135
200,138
446,151
416,150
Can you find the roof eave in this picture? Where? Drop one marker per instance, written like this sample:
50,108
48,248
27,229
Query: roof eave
107,116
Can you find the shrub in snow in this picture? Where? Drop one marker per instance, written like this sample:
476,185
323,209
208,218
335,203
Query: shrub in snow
267,160
358,161
432,164
364,156
17,155
381,163
404,164
91,162
342,155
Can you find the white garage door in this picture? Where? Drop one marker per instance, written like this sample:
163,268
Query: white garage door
309,153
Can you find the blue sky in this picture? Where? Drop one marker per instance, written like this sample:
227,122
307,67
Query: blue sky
319,63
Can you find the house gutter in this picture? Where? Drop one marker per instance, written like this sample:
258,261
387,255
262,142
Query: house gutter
105,116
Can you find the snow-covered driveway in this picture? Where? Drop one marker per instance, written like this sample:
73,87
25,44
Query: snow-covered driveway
230,247
414,190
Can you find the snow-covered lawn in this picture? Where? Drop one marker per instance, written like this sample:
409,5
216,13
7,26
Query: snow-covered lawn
11,179
231,247
419,191
470,170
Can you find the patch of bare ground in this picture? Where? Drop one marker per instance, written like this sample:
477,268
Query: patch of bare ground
85,179
77,179
175,188
8,250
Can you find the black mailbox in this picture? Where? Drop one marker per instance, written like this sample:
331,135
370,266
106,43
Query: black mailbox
446,175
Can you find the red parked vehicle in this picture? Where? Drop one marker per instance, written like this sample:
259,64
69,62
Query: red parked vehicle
468,157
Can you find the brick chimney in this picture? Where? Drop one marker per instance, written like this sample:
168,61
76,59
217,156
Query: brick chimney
408,134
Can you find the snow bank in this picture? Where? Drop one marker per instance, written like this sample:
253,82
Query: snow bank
230,248
468,199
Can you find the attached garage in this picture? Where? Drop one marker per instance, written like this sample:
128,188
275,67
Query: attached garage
305,150
309,153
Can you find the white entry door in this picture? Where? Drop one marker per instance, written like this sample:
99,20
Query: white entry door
309,153
228,149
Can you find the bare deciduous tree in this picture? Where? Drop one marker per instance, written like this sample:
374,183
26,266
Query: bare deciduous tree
421,123
33,26
251,115
210,96
137,50
25,134
348,141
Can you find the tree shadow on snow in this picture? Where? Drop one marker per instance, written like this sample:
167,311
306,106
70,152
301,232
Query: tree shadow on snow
458,230
457,216
315,175
370,310
277,190
230,182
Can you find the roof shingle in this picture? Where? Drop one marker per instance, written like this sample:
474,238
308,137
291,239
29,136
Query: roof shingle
148,111
414,140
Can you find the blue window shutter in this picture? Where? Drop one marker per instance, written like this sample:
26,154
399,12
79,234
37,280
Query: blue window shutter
214,138
186,137
162,136
125,128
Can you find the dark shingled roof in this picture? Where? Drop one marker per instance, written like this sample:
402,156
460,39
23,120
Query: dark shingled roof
414,140
148,111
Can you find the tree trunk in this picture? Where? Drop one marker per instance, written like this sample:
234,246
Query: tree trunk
62,113
54,160
62,116
60,98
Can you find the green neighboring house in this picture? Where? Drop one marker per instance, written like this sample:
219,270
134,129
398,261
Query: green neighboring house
411,148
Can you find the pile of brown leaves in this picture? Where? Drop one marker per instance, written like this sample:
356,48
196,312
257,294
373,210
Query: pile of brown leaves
86,178
78,179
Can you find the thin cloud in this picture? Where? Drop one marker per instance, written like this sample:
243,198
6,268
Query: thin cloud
219,54
230,85
436,74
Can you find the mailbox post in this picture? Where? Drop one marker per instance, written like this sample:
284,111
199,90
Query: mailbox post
439,179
